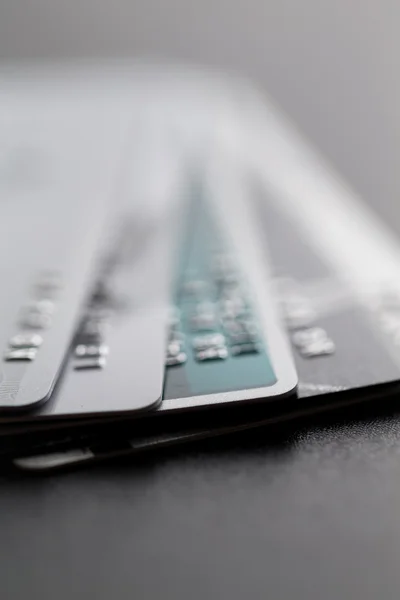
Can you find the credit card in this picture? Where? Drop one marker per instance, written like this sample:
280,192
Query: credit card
59,167
226,341
72,157
117,355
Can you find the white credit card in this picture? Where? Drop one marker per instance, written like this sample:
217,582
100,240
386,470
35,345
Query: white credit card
66,161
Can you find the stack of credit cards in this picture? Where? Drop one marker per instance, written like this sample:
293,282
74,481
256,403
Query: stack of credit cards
177,264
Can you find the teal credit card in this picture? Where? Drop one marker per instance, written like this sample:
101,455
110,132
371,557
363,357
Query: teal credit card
226,342
216,341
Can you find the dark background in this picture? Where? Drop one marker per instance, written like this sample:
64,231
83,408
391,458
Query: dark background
309,515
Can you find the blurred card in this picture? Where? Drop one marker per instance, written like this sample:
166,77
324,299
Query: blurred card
59,168
335,268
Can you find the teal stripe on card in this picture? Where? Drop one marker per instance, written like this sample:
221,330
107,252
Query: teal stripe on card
202,243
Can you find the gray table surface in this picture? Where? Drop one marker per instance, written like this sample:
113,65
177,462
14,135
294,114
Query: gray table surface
313,515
